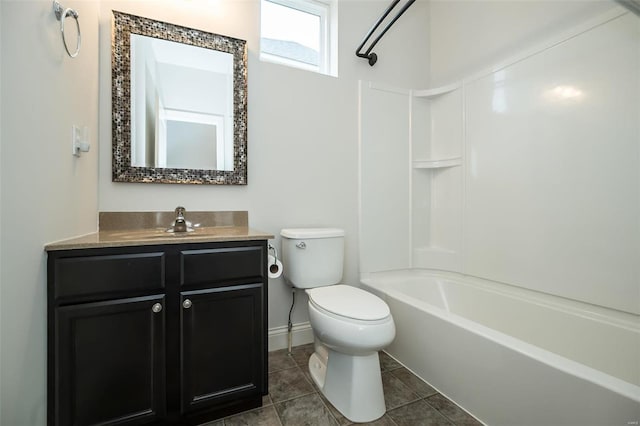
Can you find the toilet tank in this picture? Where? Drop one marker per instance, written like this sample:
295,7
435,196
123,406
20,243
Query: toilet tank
312,257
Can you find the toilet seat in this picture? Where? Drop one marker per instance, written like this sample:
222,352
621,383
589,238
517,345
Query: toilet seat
348,335
349,302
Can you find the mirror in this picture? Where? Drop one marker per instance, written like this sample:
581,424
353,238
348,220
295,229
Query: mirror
179,104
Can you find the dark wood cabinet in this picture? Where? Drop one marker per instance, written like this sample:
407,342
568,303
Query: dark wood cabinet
171,334
220,324
106,349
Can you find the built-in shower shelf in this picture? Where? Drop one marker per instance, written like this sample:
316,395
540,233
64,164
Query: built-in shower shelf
437,164
433,93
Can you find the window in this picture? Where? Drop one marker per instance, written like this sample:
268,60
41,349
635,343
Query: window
299,33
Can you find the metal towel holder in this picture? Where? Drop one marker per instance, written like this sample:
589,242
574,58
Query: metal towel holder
62,14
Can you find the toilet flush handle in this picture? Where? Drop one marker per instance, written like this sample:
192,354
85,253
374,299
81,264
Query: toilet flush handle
301,245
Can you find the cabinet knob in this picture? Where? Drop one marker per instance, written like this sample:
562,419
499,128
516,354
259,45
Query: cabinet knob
156,307
186,304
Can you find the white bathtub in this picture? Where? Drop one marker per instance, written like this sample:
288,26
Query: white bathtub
510,356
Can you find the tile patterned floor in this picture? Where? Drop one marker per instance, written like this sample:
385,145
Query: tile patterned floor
294,401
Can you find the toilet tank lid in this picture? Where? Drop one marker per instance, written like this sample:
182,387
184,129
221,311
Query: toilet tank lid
310,233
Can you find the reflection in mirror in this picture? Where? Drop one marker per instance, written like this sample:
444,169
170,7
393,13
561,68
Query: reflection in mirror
179,104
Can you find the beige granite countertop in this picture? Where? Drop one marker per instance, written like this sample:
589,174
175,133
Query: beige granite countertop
118,229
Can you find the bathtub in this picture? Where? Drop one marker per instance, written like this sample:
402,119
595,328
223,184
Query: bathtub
511,356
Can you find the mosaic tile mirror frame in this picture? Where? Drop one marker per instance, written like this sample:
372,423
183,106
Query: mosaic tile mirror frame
123,170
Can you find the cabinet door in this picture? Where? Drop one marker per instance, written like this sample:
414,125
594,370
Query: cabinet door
221,346
110,364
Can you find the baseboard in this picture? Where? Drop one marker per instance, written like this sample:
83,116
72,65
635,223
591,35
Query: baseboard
301,335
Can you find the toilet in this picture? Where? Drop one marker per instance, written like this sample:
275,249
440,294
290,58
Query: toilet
350,325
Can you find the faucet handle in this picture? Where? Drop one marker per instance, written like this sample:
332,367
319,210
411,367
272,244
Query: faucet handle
180,211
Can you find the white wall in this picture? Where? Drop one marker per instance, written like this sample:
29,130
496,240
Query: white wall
302,127
1,96
552,184
385,176
559,211
189,89
546,194
470,35
302,152
46,193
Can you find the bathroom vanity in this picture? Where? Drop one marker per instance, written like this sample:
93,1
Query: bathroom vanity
145,327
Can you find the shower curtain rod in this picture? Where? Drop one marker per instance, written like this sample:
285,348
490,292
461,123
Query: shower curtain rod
632,5
372,57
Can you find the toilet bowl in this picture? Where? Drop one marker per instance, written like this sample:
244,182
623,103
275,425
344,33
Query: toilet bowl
349,373
349,324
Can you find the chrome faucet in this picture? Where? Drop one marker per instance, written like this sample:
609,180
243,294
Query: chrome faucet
180,224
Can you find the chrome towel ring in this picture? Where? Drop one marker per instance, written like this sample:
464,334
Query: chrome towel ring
61,15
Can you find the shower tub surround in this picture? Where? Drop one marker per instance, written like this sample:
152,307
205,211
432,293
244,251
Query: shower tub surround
522,181
511,356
